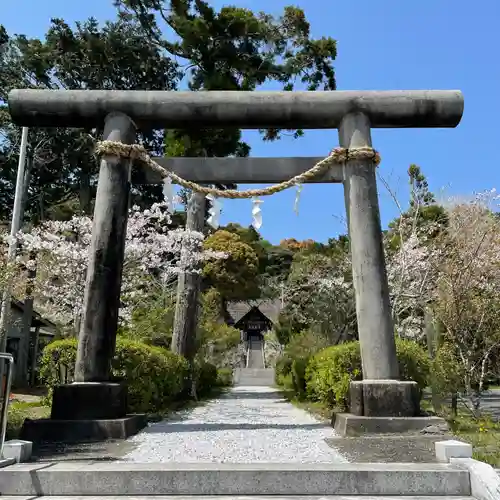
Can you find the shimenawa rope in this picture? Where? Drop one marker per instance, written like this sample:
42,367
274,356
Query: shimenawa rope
139,153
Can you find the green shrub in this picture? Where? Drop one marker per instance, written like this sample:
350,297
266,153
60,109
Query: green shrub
330,371
15,422
206,377
294,361
224,377
155,376
299,366
218,343
283,368
286,381
447,374
414,362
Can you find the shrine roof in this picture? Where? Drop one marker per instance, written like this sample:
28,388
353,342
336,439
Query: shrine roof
269,308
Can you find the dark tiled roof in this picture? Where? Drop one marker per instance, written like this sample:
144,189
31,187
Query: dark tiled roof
37,319
269,308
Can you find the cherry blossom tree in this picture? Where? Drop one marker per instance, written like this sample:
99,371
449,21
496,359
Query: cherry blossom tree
152,260
411,274
468,287
412,255
318,295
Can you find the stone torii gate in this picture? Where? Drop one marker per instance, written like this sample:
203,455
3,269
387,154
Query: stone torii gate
380,396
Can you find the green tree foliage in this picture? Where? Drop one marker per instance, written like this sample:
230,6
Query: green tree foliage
233,49
236,49
274,261
235,277
420,195
218,343
152,45
61,164
152,320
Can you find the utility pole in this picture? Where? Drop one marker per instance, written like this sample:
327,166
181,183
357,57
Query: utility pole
11,255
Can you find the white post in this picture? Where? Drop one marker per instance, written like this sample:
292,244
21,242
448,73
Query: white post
14,229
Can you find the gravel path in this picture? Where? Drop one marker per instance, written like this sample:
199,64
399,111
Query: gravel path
248,424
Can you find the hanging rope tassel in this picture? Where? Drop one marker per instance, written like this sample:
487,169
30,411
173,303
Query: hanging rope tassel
168,194
297,199
256,214
214,211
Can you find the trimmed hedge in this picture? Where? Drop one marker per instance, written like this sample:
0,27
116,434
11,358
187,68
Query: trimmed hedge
224,377
155,376
206,377
330,371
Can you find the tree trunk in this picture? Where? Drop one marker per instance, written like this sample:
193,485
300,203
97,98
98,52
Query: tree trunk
433,340
34,359
85,195
188,291
454,404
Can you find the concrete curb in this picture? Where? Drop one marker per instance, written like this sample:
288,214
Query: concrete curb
446,450
484,481
18,450
264,479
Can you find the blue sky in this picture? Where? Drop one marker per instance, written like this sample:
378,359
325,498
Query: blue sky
382,45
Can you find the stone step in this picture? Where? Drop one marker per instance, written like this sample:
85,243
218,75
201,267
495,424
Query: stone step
257,377
259,479
254,497
253,383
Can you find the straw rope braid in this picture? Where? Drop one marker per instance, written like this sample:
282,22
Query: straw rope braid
336,157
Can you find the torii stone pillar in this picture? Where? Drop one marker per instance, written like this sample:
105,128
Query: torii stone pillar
377,401
380,394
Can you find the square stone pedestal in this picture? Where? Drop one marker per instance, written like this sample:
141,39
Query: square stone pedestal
384,406
85,412
384,398
90,400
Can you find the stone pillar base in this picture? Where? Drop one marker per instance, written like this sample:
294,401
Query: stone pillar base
347,425
89,401
82,431
85,413
384,398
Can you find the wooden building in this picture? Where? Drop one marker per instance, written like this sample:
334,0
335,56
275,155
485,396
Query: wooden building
26,346
253,318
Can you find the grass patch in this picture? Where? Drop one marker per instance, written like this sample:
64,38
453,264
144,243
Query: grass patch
482,433
19,411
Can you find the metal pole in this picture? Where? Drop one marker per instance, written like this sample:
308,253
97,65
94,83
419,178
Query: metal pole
5,403
14,229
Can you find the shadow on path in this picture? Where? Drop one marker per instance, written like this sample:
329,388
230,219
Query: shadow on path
214,427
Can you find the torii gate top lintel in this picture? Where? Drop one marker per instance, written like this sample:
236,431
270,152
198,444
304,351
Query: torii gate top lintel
239,109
